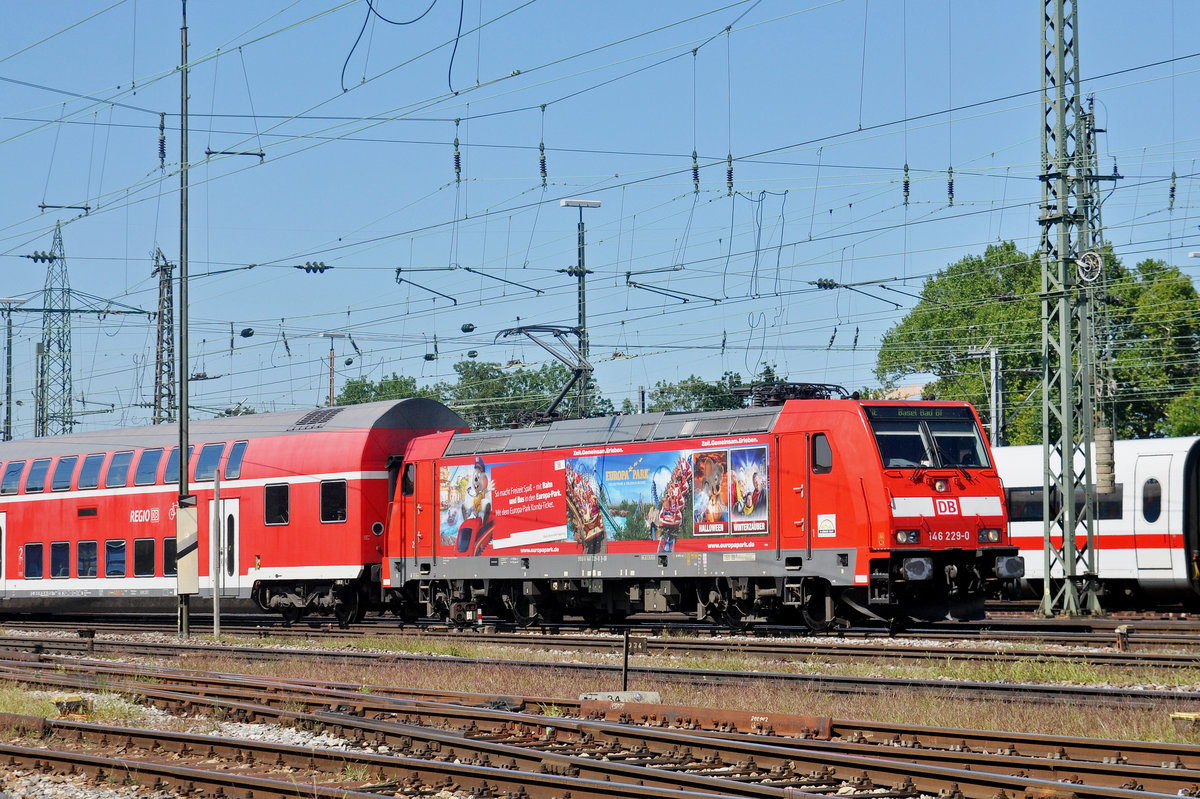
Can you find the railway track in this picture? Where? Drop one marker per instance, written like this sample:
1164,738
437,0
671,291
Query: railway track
594,748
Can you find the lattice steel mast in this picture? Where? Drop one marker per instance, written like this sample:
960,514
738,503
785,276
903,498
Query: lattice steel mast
54,410
164,352
1068,371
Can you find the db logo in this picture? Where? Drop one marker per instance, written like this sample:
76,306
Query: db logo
946,507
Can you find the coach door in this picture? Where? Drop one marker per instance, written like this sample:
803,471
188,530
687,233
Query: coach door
3,550
1153,513
229,542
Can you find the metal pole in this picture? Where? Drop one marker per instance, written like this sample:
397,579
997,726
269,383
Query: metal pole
331,356
995,403
625,664
583,336
217,551
183,288
8,374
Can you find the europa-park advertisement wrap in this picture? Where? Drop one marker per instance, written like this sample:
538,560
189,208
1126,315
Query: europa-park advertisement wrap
694,496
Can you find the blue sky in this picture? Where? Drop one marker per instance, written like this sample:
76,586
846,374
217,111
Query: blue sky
820,105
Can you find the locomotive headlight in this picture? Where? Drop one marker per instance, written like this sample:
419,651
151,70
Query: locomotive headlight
941,485
908,536
989,535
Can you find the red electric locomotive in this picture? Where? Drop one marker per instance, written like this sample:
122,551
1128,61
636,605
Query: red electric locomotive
87,521
812,510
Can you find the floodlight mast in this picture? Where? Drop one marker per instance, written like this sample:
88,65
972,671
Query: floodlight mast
581,272
8,303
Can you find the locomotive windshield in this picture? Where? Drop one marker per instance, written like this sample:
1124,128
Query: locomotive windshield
911,438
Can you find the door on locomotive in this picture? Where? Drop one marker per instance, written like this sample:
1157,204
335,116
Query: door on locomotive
1152,512
3,550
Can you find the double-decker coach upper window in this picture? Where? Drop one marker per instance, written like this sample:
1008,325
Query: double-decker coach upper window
147,467
822,454
210,458
333,500
89,473
35,483
64,470
233,464
118,470
171,470
12,477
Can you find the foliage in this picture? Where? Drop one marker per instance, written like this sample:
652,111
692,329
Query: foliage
362,389
695,394
992,300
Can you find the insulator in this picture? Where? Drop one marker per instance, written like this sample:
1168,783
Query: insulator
906,183
1171,205
457,162
695,173
729,173
950,184
162,140
542,160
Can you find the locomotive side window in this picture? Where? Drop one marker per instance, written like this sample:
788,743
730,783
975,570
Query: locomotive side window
85,559
276,504
12,477
143,557
147,468
118,470
233,466
408,481
35,482
114,558
822,454
33,562
210,458
64,470
89,474
168,550
333,500
60,559
1151,500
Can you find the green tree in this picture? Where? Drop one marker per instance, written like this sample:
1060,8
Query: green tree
694,394
490,396
992,300
362,389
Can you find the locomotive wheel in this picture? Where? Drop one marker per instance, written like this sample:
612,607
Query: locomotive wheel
816,613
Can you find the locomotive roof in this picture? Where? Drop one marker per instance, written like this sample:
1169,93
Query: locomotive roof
415,412
617,430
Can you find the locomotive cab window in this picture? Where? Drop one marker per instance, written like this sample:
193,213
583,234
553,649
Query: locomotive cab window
1151,500
64,470
114,558
35,482
89,473
118,470
822,454
276,504
233,466
333,500
85,559
210,458
12,477
915,438
143,557
146,473
60,559
34,564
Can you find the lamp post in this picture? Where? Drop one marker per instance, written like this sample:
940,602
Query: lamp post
332,355
581,272
8,303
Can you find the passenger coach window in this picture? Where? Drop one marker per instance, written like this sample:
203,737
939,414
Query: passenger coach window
147,468
35,483
33,562
333,500
89,475
1151,500
118,470
233,466
85,559
114,558
143,557
210,458
822,455
276,504
64,470
169,568
12,477
60,559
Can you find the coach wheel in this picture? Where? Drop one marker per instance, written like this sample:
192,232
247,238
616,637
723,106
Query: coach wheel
291,615
346,609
